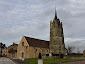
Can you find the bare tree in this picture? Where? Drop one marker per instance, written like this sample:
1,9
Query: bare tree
70,49
78,51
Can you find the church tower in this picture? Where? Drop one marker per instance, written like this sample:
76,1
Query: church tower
56,44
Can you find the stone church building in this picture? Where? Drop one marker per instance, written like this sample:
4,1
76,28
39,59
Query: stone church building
31,47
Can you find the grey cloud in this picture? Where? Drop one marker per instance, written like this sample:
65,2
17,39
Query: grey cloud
32,18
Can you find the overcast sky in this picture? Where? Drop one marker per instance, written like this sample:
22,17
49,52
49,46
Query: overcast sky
32,18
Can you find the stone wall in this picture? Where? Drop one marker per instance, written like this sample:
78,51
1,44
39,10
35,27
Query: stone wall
74,57
29,51
57,45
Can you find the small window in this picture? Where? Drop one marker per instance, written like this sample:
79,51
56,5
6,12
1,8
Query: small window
35,50
47,51
22,43
16,51
26,47
47,54
41,50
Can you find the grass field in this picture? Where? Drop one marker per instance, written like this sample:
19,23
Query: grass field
47,61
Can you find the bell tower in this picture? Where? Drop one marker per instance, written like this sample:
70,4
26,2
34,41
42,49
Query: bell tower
56,44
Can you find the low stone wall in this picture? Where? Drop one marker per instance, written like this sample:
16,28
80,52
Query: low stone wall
65,57
74,57
47,57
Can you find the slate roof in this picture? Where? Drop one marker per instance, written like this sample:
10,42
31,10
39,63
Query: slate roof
37,42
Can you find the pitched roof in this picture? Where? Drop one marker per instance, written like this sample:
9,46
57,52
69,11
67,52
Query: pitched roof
37,42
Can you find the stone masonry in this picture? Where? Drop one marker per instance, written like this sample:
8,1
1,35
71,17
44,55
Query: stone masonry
57,45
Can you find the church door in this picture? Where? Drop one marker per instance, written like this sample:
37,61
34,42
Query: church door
22,54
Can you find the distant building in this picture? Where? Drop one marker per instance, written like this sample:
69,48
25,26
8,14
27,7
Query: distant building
12,50
2,46
5,52
31,47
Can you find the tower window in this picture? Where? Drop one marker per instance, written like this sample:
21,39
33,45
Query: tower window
22,43
36,50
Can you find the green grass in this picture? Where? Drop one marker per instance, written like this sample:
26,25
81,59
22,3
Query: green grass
33,61
49,61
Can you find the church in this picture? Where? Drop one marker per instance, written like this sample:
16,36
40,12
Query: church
31,47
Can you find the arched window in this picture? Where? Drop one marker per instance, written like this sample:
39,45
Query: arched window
35,50
47,51
42,50
22,54
22,43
